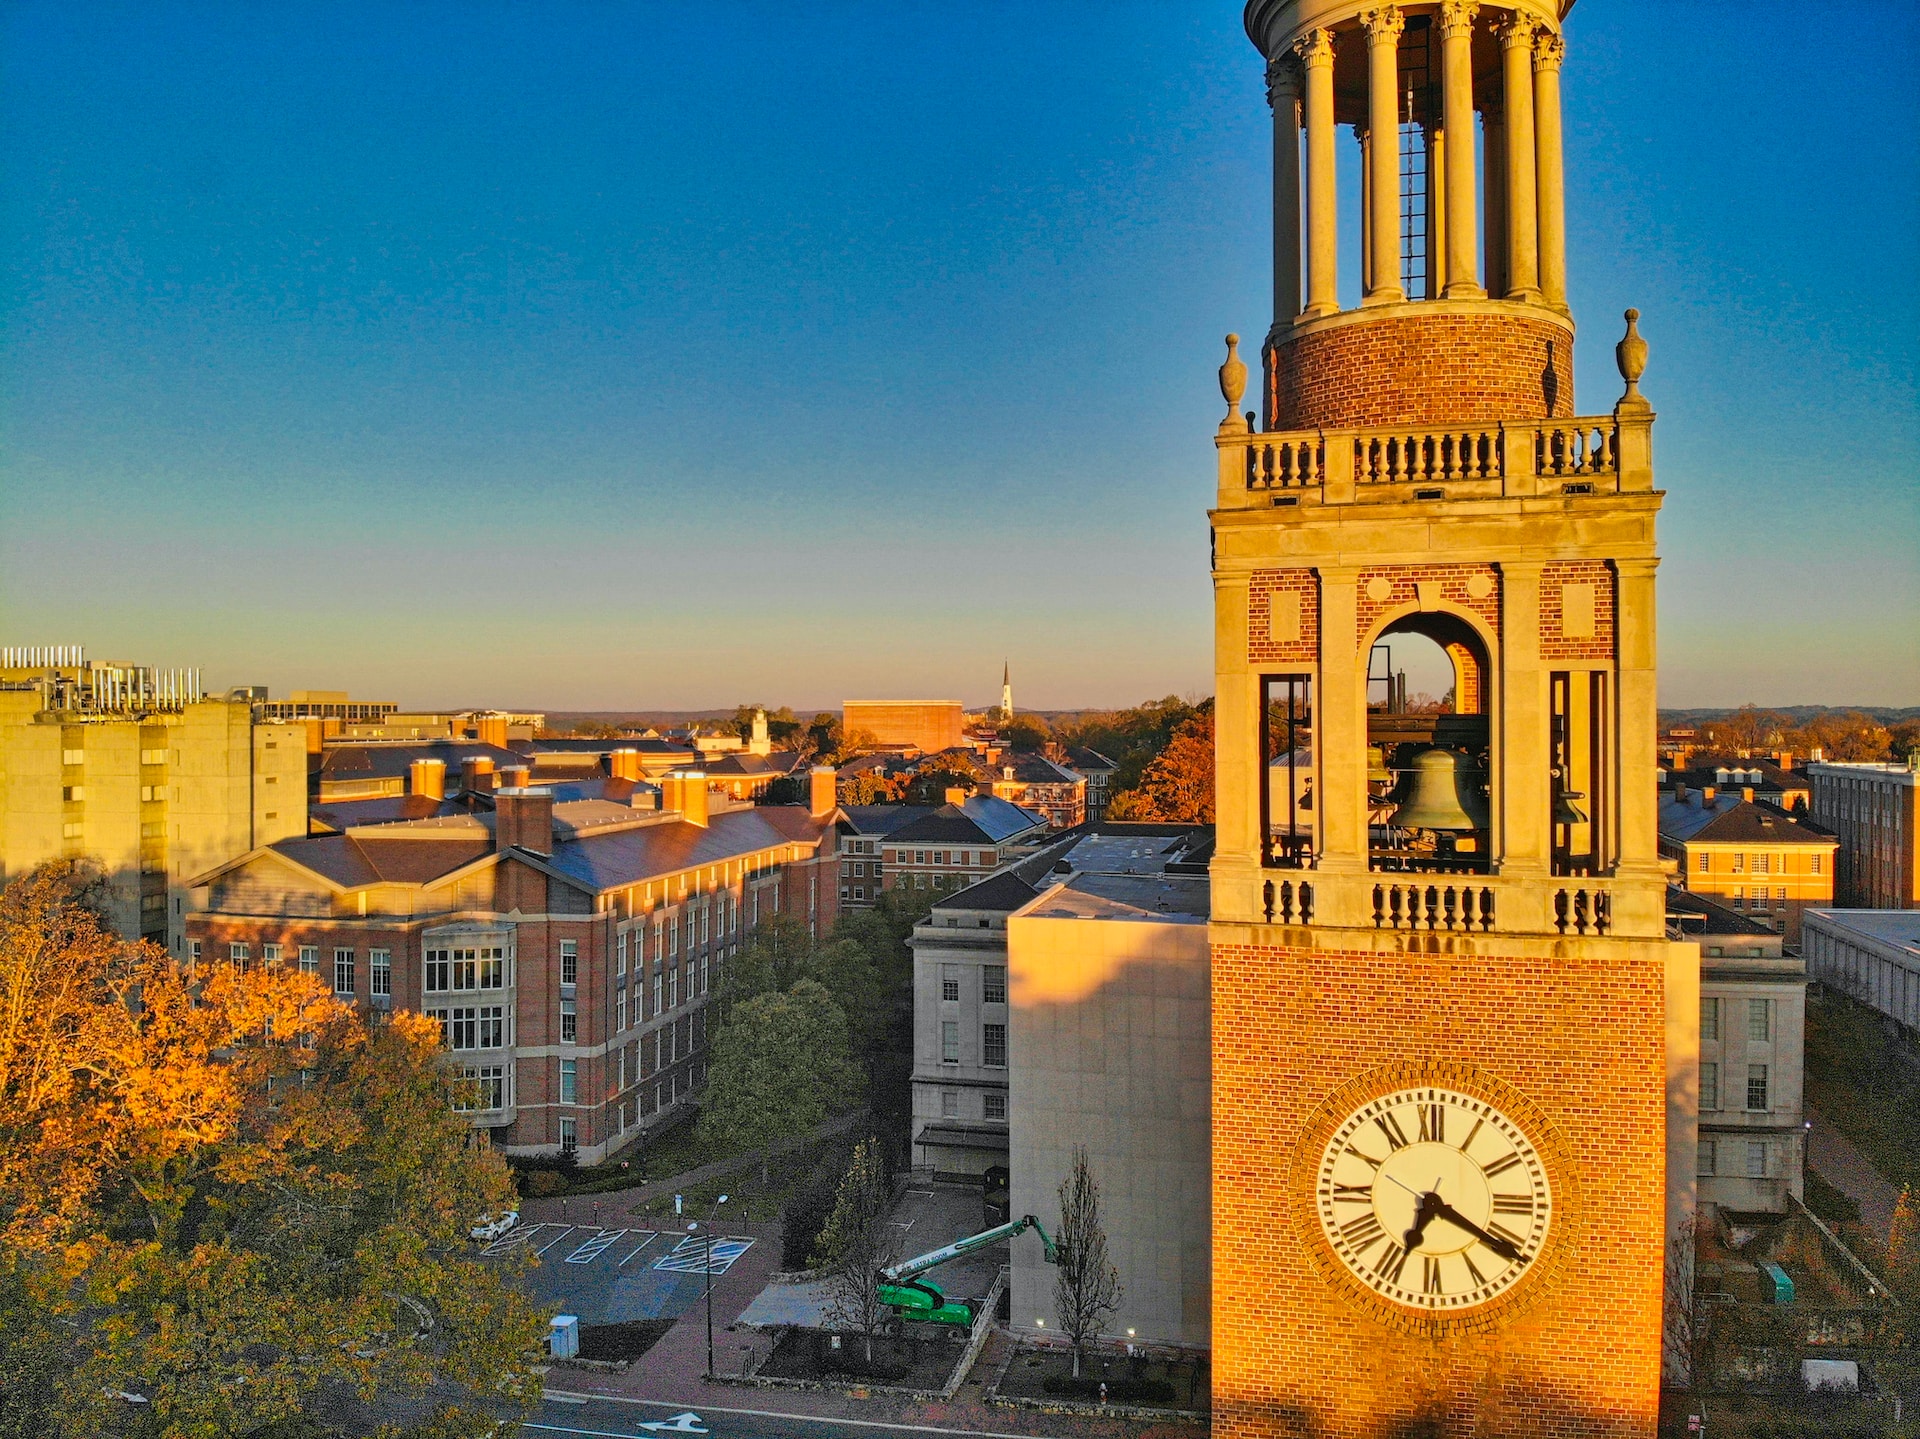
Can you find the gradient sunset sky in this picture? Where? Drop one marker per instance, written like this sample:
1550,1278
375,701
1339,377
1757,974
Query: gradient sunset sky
676,355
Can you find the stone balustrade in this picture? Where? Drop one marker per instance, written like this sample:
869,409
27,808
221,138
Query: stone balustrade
1602,454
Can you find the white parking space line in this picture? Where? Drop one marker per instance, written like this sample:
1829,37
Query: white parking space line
595,1247
564,1232
513,1239
652,1234
690,1256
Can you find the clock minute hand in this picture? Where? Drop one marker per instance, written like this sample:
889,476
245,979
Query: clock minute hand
1502,1247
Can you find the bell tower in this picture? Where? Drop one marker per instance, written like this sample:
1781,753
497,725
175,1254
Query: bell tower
1442,984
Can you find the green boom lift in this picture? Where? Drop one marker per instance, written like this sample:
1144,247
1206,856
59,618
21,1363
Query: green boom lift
922,1301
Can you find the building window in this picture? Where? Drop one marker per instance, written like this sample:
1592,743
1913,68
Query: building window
270,954
343,971
569,1081
1813,863
949,981
620,953
1758,1026
569,1137
993,984
1756,1159
1702,864
309,959
439,975
658,981
1707,1156
949,1041
859,892
238,955
1739,863
995,1102
380,971
1709,1087
490,1084
569,1021
620,1011
1709,1018
994,1046
949,1104
569,961
1756,1086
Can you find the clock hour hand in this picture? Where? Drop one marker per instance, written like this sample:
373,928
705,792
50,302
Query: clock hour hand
1504,1248
1431,1208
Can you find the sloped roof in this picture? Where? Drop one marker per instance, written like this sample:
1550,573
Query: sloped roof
1715,918
631,856
351,860
1770,776
753,766
981,819
390,761
882,819
1731,820
1088,761
336,815
603,746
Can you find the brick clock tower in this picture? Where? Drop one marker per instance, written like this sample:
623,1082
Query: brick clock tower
1442,986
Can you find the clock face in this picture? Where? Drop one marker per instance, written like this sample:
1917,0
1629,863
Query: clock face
1433,1199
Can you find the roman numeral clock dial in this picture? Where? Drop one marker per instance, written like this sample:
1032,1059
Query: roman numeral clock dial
1433,1199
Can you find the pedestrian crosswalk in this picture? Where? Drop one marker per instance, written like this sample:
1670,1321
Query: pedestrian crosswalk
691,1255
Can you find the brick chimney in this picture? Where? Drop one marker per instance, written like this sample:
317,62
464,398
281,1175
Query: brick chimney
476,773
823,796
428,777
624,764
957,795
1679,794
515,776
493,730
523,819
685,791
1746,793
1707,793
1784,758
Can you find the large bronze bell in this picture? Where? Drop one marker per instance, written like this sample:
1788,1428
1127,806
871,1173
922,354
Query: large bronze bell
1442,789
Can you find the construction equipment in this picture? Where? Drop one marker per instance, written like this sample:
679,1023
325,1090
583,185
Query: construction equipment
922,1301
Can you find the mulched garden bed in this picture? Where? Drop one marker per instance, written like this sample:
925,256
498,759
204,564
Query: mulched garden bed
1153,1383
614,1342
908,1361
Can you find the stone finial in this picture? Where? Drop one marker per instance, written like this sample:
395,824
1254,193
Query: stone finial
1233,379
1631,356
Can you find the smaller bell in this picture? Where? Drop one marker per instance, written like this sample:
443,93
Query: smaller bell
1565,811
1442,792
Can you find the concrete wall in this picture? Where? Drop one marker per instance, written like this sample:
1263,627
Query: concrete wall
1110,1045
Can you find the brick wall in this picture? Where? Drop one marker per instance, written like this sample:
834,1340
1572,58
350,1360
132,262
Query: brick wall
1439,369
1555,643
1400,586
1579,1038
1266,642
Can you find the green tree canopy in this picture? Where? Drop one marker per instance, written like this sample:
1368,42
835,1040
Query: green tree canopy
782,1062
1026,732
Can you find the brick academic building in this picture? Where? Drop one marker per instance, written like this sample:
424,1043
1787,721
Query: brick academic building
569,950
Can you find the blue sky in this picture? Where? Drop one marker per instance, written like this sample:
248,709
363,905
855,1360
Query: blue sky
669,356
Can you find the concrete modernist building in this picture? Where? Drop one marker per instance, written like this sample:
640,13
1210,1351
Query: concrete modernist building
568,949
1447,1018
927,725
1872,955
1753,857
1871,809
965,1048
1753,1006
136,771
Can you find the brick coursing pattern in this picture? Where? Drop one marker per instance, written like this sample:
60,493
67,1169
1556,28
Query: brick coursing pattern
1581,1037
1420,370
1453,581
1553,644
1261,647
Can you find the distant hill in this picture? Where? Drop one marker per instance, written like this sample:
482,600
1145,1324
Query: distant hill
1797,714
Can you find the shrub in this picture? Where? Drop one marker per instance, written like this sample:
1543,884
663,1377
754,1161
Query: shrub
801,1220
542,1184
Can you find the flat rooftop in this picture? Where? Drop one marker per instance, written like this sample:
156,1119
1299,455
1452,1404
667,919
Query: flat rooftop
1163,899
1897,927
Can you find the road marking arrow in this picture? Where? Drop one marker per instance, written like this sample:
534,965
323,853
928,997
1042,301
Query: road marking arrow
688,1423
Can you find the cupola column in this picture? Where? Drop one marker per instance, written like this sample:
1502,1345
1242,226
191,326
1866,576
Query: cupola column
1463,236
1315,50
1552,200
1383,155
1522,237
1283,93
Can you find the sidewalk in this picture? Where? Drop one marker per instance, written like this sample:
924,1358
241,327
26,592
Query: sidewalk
580,1208
1848,1170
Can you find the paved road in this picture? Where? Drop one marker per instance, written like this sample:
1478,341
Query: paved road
605,1418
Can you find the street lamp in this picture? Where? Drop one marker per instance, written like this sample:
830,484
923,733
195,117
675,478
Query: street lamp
693,1228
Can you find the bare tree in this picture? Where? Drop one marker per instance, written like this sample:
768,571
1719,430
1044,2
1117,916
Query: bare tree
1087,1290
858,1243
1684,1324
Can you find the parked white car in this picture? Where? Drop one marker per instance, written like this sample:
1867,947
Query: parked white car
492,1226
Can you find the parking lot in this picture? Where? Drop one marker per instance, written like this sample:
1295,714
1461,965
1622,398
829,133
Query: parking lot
611,1276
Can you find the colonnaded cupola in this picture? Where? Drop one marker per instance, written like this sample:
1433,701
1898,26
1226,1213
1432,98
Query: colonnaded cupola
1462,221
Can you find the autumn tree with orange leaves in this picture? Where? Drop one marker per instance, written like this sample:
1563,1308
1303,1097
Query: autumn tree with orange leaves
228,1193
1177,787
